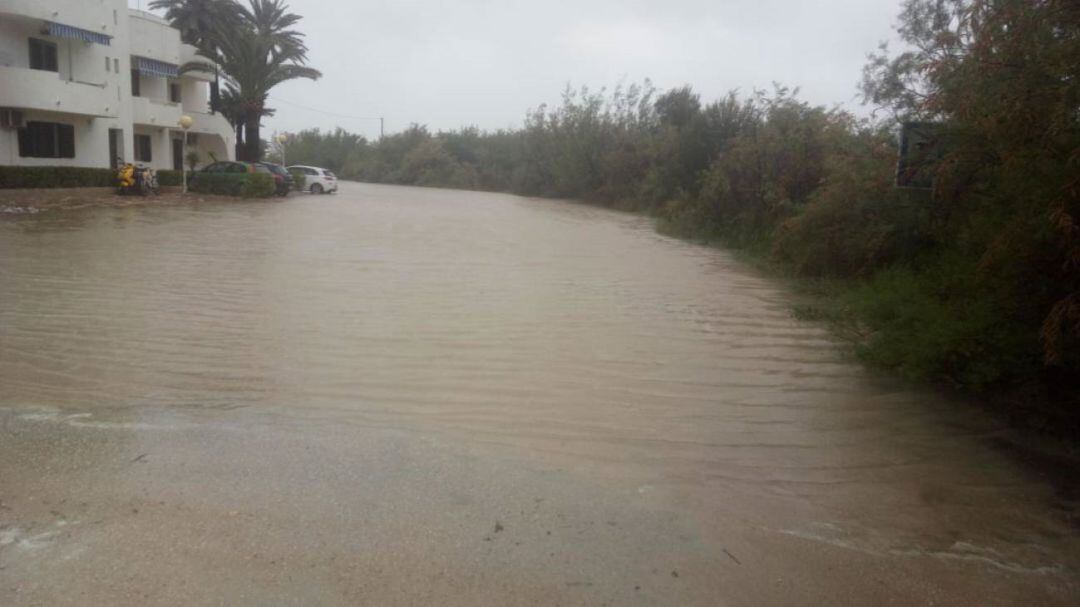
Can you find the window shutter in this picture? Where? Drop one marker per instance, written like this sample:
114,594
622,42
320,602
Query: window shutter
26,143
66,138
51,62
36,60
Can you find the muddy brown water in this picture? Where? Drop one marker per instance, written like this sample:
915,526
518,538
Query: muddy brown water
408,396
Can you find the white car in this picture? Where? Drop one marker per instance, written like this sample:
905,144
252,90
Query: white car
319,181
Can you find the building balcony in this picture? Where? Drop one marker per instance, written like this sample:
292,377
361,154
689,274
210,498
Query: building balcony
27,89
211,124
190,54
155,112
152,37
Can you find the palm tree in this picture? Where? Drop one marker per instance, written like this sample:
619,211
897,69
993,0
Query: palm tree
196,19
228,103
255,55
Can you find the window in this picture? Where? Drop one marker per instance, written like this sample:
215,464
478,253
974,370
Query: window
135,83
116,65
47,140
174,93
143,148
108,64
43,55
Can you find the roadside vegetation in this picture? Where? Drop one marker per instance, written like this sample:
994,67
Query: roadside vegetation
974,283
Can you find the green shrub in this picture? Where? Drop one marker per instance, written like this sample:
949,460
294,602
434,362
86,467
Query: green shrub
221,184
299,180
258,185
856,221
936,323
70,177
170,178
245,185
12,177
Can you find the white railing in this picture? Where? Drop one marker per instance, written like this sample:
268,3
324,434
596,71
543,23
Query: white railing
156,112
40,90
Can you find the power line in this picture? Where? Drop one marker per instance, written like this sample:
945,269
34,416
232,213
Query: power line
381,119
318,111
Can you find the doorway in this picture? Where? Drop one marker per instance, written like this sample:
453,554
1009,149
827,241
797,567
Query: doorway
116,147
178,154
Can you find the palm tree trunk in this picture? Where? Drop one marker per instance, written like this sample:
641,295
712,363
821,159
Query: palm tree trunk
252,137
239,140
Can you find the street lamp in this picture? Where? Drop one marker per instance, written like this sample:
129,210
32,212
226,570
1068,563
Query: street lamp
282,139
185,123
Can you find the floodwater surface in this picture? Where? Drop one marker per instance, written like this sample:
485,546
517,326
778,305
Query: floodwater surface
399,396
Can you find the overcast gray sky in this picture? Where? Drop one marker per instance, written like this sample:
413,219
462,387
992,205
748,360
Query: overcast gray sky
485,62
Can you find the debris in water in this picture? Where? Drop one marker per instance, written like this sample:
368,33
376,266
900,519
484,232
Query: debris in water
732,556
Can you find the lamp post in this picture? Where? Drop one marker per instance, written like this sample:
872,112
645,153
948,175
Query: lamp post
283,139
185,123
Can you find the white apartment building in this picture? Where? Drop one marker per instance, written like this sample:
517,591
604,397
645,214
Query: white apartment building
86,82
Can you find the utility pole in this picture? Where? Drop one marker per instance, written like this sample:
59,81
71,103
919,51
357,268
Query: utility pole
382,128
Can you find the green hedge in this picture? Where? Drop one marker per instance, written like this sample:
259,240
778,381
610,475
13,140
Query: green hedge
171,178
55,177
299,180
246,185
258,185
70,177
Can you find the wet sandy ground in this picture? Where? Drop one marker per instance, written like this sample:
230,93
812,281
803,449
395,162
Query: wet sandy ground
402,396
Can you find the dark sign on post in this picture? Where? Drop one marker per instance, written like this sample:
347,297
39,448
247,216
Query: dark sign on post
920,151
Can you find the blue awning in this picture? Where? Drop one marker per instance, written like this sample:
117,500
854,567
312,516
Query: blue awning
66,31
153,67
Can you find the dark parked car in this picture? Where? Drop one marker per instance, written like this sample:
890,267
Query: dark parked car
283,181
228,166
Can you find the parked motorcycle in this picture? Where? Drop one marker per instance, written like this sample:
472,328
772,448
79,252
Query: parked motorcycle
136,180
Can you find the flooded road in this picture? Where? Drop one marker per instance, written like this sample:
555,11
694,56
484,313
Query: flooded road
399,396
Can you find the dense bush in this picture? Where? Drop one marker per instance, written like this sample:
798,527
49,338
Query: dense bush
856,222
70,177
258,185
171,178
55,177
299,180
245,185
328,150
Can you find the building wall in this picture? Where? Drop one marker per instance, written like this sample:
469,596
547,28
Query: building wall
161,146
77,60
103,16
195,95
152,37
91,142
134,33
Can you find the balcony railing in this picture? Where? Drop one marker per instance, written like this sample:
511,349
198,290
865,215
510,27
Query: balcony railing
40,90
156,112
211,124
